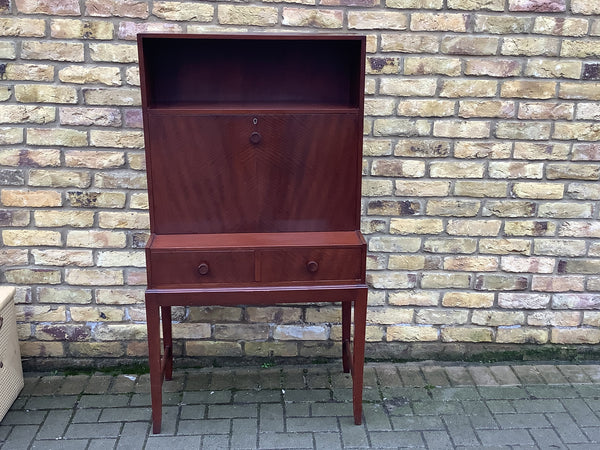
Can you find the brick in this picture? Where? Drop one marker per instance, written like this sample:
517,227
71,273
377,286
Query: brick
579,49
62,295
42,349
391,280
422,148
588,111
525,46
29,72
183,11
432,65
398,168
119,8
501,68
520,264
59,137
491,5
413,44
120,180
27,114
138,201
412,333
585,266
559,247
493,282
250,15
112,97
121,258
94,159
555,111
14,257
468,88
119,53
414,4
471,263
119,296
566,210
508,170
117,139
547,191
587,91
30,158
40,313
377,147
20,27
438,22
120,332
57,51
90,277
557,283
523,300
39,93
582,131
537,5
460,227
81,29
14,218
416,226
579,229
554,318
52,7
7,51
275,314
61,218
450,245
11,135
528,89
407,262
96,199
453,208
468,300
497,318
210,348
80,258
32,276
426,108
441,317
460,169
464,334
553,69
445,280
477,108
30,198
591,318
59,178
95,349
584,7
470,45
110,76
505,246
424,87
416,298
422,188
480,188
369,20
575,301
521,336
523,130
301,332
95,314
379,107
509,208
129,30
389,316
96,239
491,150
575,336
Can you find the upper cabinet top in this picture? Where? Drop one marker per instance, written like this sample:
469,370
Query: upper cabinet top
252,71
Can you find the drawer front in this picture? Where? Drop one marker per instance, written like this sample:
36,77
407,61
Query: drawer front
200,267
310,264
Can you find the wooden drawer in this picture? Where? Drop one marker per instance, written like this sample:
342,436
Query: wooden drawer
309,264
200,267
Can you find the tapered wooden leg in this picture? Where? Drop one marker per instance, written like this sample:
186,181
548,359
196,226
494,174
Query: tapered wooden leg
360,322
167,340
346,325
154,359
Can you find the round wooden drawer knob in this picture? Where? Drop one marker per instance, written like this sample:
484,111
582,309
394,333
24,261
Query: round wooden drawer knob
203,269
255,137
312,266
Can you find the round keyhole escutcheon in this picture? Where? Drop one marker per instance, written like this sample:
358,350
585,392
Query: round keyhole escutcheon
312,266
203,269
255,137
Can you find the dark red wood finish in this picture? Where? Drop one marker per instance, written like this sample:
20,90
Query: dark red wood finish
254,159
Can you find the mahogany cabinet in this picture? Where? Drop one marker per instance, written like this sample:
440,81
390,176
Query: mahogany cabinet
254,159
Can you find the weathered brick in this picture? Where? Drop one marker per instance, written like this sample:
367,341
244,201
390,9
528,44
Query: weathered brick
59,178
377,188
468,300
393,207
29,198
129,30
581,131
120,180
591,318
91,277
579,229
414,298
521,335
110,76
61,218
509,208
426,108
579,49
523,300
119,296
587,91
409,188
559,247
20,27
10,135
566,210
118,53
523,130
97,199
555,111
576,301
422,148
202,12
64,295
14,257
211,348
25,114
398,168
112,96
554,318
547,191
14,218
432,280
530,46
121,258
57,51
492,318
501,68
411,262
490,108
59,257
540,151
32,276
119,8
40,313
528,89
468,88
473,149
94,159
505,246
301,332
95,349
281,315
492,282
588,111
59,137
52,7
461,169
40,93
253,15
391,280
7,51
270,349
543,68
117,139
441,317
575,336
450,245
453,208
379,107
438,22
120,332
532,264
491,5
537,5
557,283
412,333
416,226
29,72
462,129
502,24
432,65
394,244
96,239
368,20
409,43
138,201
508,170
480,188
466,227
470,45
584,7
81,29
466,334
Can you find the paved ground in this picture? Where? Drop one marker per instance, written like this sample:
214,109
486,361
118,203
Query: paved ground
423,405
